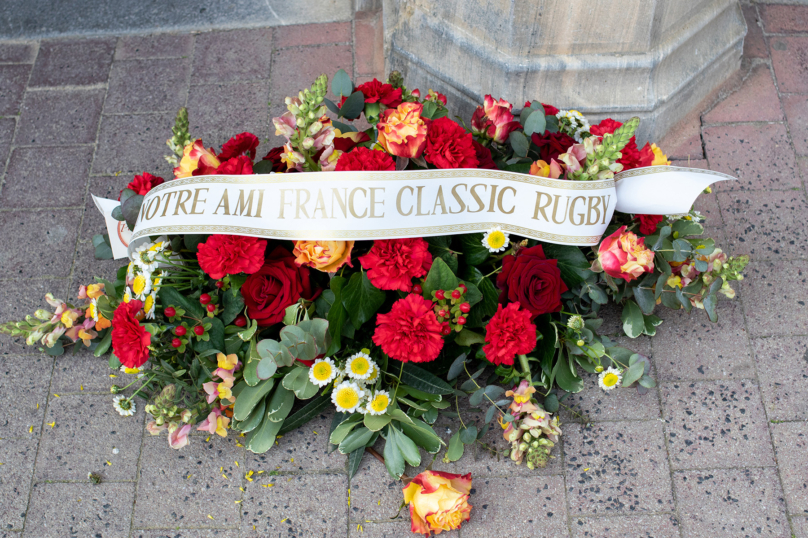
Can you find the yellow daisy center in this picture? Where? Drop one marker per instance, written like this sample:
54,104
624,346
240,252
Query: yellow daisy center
360,366
347,398
610,379
139,284
156,246
148,306
496,239
373,375
380,403
322,371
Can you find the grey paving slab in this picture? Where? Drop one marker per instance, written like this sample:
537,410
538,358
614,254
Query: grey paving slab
375,496
83,510
17,457
313,34
155,46
54,177
181,488
81,435
800,526
49,237
775,298
104,187
19,298
715,424
308,505
742,503
219,56
133,144
783,371
54,117
791,447
7,126
24,381
190,533
13,79
153,85
617,468
73,62
84,372
17,52
86,267
381,530
661,526
246,104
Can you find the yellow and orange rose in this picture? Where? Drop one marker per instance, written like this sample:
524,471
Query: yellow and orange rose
325,256
192,155
624,255
438,501
402,131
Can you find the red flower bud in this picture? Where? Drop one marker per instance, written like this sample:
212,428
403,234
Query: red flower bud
199,330
169,312
240,321
442,313
465,307
461,320
463,287
456,294
219,284
176,342
204,298
179,330
211,308
440,295
446,329
417,289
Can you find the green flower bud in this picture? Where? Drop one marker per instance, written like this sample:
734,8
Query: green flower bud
115,389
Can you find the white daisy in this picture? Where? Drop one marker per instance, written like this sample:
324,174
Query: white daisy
347,397
373,376
609,379
141,285
124,406
149,303
495,240
322,372
144,258
359,366
378,402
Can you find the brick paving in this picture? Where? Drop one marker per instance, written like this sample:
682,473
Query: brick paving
718,450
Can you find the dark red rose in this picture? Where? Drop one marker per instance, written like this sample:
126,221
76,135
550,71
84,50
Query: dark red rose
632,157
532,280
448,145
508,334
277,285
348,141
224,255
376,92
365,159
243,143
130,341
551,145
142,184
648,223
484,157
274,155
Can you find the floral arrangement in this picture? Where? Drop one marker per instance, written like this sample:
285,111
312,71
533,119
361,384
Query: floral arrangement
241,334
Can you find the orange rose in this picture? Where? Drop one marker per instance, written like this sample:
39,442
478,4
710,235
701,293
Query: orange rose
402,132
624,255
438,501
191,157
542,169
325,256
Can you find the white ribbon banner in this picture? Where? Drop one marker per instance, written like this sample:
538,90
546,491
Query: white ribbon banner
415,203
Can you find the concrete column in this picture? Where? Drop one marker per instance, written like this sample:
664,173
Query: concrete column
605,58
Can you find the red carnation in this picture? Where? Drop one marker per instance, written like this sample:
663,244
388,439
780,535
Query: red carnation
410,332
224,255
648,223
448,145
376,92
632,157
393,263
532,280
551,145
508,334
274,155
239,145
130,341
365,159
279,283
484,157
143,184
237,166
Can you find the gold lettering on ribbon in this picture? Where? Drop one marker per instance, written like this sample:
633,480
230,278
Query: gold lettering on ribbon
181,202
398,201
573,214
373,202
541,207
458,198
351,203
477,197
198,201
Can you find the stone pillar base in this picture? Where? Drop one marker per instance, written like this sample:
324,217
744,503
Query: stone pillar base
617,58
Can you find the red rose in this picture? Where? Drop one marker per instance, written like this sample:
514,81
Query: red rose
143,184
365,159
237,166
648,223
239,145
632,157
549,110
130,341
277,285
224,255
551,145
484,157
532,280
508,334
393,263
376,92
410,332
448,145
274,155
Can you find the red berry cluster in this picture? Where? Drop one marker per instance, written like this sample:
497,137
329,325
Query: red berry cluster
451,309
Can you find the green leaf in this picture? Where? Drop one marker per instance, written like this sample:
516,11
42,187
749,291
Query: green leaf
341,84
262,369
103,345
233,305
456,448
535,123
467,337
263,437
298,381
255,418
710,303
457,367
407,447
393,458
551,403
354,440
171,297
344,428
114,363
664,233
571,262
420,379
634,373
474,253
477,397
343,127
280,404
354,461
633,323
306,413
361,299
681,250
647,382
468,435
440,277
130,209
519,143
645,297
353,106
117,214
263,166
216,340
566,379
376,422
192,241
250,397
337,315
103,250
684,228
